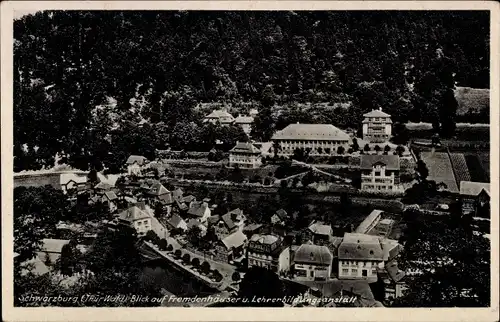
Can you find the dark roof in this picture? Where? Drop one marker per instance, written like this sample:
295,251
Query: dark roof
177,193
245,147
311,132
360,247
252,227
228,221
470,188
140,160
157,189
188,199
213,219
175,221
376,113
193,223
111,195
391,162
197,209
313,254
394,272
282,214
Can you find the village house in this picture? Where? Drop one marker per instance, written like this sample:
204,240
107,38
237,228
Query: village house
280,217
319,233
268,251
110,199
320,139
312,263
369,222
199,210
141,218
379,172
231,247
245,122
219,116
377,126
70,181
135,163
393,278
474,196
228,223
196,223
245,155
359,257
177,223
252,229
157,193
177,193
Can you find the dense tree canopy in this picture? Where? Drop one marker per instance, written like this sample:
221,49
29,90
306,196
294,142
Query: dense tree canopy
97,86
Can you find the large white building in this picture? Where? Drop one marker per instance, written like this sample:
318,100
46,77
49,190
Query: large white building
321,139
377,126
379,172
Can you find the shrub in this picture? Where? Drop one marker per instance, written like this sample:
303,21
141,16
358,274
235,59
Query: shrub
366,148
170,247
195,262
178,253
236,276
205,267
218,276
186,258
162,244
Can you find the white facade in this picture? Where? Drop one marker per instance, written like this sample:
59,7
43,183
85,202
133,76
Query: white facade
359,268
378,179
244,160
134,169
377,126
281,264
142,226
311,272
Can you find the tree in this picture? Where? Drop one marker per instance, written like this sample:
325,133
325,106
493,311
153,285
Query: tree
387,148
422,170
205,267
400,150
377,148
261,283
193,236
355,145
366,148
163,244
152,237
235,277
459,268
69,258
178,253
186,258
37,211
345,204
195,262
170,247
218,276
400,134
340,150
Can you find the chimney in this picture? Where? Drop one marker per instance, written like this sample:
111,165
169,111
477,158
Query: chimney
380,108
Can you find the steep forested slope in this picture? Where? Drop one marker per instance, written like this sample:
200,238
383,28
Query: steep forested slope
156,66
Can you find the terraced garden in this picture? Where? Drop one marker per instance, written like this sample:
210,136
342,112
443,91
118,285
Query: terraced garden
440,169
479,166
460,168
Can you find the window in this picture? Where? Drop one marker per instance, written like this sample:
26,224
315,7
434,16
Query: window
354,271
364,264
345,271
374,271
311,274
377,173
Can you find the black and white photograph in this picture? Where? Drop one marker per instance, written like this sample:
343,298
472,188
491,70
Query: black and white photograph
236,158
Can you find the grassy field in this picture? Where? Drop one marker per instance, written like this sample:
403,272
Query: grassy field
440,169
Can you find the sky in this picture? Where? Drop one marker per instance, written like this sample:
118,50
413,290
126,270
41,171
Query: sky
19,13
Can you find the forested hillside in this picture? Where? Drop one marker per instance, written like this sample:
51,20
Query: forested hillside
98,86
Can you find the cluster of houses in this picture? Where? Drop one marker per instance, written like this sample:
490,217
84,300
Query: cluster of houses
223,117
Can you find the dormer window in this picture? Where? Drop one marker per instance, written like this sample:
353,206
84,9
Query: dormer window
371,252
